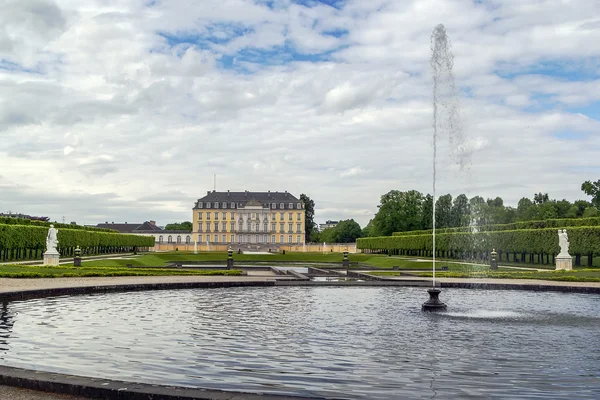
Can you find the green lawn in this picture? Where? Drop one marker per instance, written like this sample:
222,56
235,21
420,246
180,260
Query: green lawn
26,271
581,275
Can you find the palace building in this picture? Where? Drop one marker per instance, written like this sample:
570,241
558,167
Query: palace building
249,217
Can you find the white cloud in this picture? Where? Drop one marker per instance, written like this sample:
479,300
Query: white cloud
99,105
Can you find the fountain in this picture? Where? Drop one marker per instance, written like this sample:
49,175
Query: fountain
196,247
445,118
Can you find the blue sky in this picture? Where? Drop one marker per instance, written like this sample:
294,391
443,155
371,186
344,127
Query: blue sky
327,98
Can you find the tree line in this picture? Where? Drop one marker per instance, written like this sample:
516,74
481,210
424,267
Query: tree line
412,210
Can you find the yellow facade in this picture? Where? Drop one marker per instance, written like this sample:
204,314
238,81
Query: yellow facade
249,218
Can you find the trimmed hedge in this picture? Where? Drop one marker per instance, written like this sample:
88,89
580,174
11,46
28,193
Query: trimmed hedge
547,223
29,222
26,241
583,240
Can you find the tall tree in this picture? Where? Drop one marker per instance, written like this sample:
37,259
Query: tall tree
179,226
398,212
525,209
427,212
347,231
443,211
368,230
592,189
460,213
540,198
309,216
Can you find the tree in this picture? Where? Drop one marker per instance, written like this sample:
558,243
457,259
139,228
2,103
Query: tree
478,207
540,198
427,212
368,230
460,213
398,212
443,210
179,226
592,189
525,209
591,212
347,231
562,207
309,216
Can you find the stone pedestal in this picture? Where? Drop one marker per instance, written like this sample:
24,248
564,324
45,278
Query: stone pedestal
564,262
77,261
51,258
230,263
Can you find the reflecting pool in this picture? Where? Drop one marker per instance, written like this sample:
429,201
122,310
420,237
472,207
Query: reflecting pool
367,342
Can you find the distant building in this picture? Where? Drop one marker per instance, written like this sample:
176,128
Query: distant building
249,217
328,224
149,228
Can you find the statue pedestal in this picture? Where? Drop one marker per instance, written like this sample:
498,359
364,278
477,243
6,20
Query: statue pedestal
51,258
564,262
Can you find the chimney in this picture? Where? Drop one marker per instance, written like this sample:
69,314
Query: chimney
208,192
227,192
125,222
106,222
153,223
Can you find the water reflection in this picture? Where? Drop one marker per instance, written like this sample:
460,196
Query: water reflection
6,326
371,343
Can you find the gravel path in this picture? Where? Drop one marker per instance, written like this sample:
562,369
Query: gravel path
14,393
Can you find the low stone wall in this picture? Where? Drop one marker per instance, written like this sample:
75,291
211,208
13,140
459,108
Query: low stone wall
308,248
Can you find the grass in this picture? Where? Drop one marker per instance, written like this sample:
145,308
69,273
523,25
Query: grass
27,271
582,275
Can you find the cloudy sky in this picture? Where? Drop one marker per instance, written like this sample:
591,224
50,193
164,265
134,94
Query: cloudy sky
115,110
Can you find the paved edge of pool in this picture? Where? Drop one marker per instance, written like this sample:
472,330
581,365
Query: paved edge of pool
120,390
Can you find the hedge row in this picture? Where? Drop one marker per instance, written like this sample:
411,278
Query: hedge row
28,242
583,240
29,222
547,223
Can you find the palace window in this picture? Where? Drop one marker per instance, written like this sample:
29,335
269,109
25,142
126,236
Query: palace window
200,215
290,216
200,238
280,238
266,227
232,239
224,205
207,215
224,215
208,205
188,239
216,227
217,204
290,225
241,225
299,206
216,215
273,205
298,228
178,239
232,205
272,238
199,226
249,226
299,216
231,215
232,226
290,206
199,205
224,238
223,226
281,227
265,239
208,238
297,239
290,239
160,239
281,216
281,206
273,226
170,239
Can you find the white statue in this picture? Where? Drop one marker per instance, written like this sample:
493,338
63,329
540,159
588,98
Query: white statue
563,242
52,240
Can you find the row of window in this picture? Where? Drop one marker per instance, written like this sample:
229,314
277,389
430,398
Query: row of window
249,227
224,204
248,239
188,239
223,215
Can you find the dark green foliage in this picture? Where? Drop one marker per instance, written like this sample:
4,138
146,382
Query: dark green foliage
180,226
592,189
28,240
28,222
583,240
550,223
309,217
345,232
